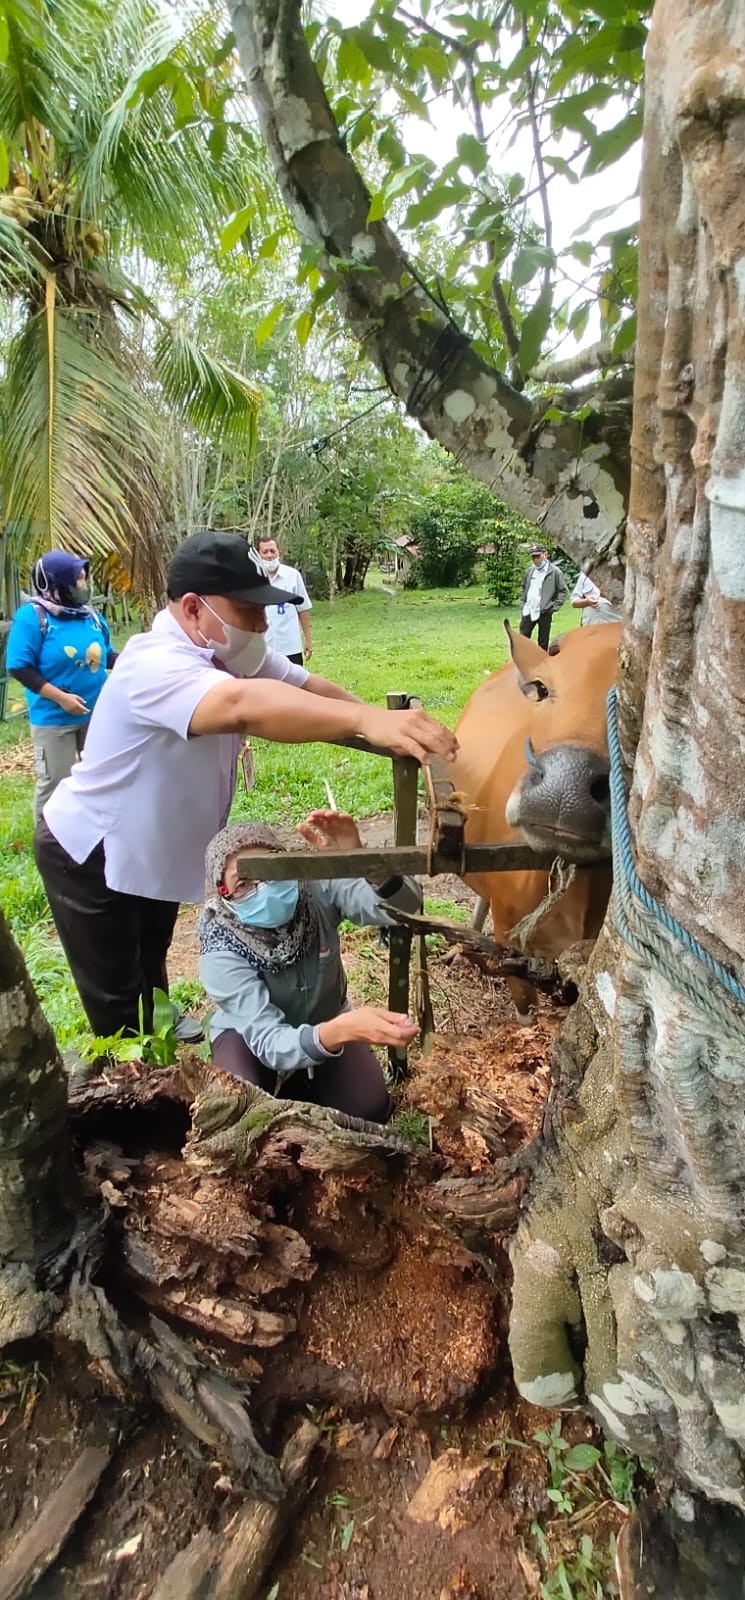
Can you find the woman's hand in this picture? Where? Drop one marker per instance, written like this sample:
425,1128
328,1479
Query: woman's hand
74,704
330,830
367,1025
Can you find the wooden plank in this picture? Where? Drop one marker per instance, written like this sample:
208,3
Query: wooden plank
40,1545
405,802
389,859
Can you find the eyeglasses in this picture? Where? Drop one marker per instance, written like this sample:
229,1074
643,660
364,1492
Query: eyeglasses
242,890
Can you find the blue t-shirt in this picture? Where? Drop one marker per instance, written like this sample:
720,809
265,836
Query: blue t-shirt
70,652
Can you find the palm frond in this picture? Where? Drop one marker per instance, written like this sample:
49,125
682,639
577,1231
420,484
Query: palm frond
211,395
74,467
21,260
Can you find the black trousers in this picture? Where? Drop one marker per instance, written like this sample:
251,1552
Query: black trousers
352,1082
298,659
543,625
116,944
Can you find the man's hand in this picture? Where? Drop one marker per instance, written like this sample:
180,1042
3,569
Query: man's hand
307,649
330,830
407,733
367,1025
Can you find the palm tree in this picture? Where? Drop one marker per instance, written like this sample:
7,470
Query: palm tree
116,154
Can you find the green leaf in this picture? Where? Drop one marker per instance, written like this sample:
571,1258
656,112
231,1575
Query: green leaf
347,1534
626,336
303,327
268,324
534,328
234,230
581,1458
217,142
376,209
4,37
473,153
273,1592
610,146
530,259
362,129
438,199
269,245
351,62
162,1011
4,164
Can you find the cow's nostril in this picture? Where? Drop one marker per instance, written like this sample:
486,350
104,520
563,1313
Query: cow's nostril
600,788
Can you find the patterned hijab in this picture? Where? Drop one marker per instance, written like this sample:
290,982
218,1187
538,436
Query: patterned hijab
267,949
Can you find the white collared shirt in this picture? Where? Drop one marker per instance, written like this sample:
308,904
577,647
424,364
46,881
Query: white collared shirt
152,794
585,589
532,606
283,633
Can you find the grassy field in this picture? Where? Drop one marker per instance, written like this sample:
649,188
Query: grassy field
437,644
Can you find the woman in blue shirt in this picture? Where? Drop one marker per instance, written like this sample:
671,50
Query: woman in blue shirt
59,649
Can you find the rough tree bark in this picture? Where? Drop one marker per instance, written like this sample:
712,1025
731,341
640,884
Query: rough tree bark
630,1264
650,1252
569,477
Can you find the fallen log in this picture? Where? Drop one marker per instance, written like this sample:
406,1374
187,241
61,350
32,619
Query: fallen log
230,1565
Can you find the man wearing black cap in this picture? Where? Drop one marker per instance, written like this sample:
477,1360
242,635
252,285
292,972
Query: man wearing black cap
121,841
544,592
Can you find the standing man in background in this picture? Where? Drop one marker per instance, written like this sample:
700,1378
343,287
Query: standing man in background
544,592
285,621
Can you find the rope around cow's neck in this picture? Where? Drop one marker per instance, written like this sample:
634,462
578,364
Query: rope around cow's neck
650,930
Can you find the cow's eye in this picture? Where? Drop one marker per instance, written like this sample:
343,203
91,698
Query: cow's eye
535,689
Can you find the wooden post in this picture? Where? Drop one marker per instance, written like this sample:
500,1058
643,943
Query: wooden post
405,796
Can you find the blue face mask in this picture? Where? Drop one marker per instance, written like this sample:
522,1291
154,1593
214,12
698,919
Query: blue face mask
270,906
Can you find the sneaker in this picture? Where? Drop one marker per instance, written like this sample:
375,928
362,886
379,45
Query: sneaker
188,1030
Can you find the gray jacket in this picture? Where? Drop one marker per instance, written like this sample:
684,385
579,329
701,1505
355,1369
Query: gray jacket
278,1013
554,590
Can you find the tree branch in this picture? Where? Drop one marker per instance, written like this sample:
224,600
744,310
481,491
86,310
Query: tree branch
595,357
550,472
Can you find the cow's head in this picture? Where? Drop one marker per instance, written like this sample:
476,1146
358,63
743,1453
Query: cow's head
562,799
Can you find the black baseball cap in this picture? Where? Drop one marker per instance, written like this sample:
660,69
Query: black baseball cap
220,561
539,550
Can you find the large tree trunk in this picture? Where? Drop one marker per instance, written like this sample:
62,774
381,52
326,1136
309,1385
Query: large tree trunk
38,1191
648,1253
570,476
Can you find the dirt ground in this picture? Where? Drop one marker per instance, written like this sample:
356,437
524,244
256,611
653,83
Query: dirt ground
428,1483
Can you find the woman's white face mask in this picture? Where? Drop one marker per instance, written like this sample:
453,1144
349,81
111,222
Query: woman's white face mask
243,653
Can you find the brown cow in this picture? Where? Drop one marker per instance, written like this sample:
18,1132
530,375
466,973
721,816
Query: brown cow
533,761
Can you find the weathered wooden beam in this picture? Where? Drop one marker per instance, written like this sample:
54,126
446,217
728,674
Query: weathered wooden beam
449,822
40,1545
410,859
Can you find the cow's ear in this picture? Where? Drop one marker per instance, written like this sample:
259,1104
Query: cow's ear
528,657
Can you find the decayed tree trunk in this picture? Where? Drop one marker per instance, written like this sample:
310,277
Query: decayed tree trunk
636,1226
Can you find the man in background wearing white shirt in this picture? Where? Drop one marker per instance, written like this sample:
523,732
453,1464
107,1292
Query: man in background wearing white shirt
586,597
544,592
285,621
122,840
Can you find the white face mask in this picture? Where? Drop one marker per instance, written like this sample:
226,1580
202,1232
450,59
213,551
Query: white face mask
243,653
272,566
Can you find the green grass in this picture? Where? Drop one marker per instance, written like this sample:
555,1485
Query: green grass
438,644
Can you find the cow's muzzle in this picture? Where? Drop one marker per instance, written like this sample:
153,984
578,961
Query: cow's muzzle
563,800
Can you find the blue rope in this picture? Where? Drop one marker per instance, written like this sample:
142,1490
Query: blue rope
632,902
